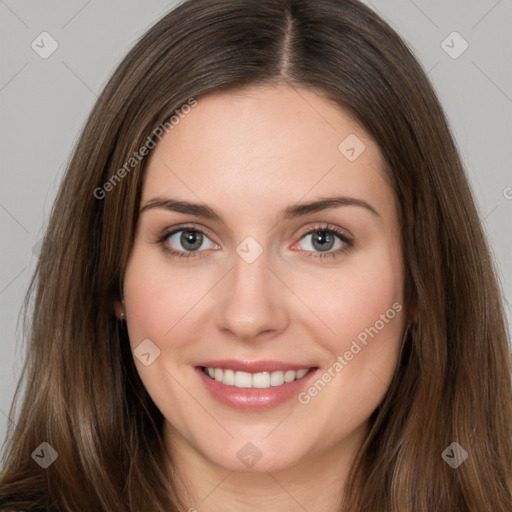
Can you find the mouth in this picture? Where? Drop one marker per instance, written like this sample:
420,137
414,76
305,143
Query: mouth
256,385
259,380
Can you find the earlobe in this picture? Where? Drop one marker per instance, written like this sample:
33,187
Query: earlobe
120,309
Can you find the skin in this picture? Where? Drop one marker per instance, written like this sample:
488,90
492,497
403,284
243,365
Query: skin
248,155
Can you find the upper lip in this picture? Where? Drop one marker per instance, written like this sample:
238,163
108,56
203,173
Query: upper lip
254,366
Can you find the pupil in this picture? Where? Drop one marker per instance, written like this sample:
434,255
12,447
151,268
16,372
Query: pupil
193,238
323,239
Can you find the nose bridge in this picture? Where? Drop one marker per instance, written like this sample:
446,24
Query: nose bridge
251,303
249,276
250,261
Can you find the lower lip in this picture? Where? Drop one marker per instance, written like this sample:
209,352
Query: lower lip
252,399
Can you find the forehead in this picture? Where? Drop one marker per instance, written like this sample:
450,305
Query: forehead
263,148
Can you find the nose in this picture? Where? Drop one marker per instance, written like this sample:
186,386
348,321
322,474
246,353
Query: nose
252,302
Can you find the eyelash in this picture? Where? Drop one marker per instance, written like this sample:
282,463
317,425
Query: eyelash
348,243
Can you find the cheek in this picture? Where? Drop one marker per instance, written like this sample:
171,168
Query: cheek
160,296
362,304
356,297
162,304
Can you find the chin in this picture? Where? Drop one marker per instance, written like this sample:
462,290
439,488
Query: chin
249,457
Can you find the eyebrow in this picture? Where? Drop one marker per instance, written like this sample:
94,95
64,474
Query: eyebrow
290,212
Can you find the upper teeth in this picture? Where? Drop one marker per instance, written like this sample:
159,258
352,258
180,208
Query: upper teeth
254,380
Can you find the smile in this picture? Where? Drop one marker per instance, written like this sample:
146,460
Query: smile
254,385
260,380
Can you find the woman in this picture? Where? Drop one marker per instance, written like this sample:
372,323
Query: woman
265,284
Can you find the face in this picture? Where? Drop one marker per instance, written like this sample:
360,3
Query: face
295,311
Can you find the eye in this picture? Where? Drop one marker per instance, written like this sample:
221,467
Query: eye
185,241
323,241
320,242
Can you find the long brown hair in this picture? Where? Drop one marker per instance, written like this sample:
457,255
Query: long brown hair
81,391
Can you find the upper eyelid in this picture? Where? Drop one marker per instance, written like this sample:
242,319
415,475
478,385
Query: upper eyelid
326,227
303,232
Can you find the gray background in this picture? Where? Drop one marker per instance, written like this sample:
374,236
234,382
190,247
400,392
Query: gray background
44,102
